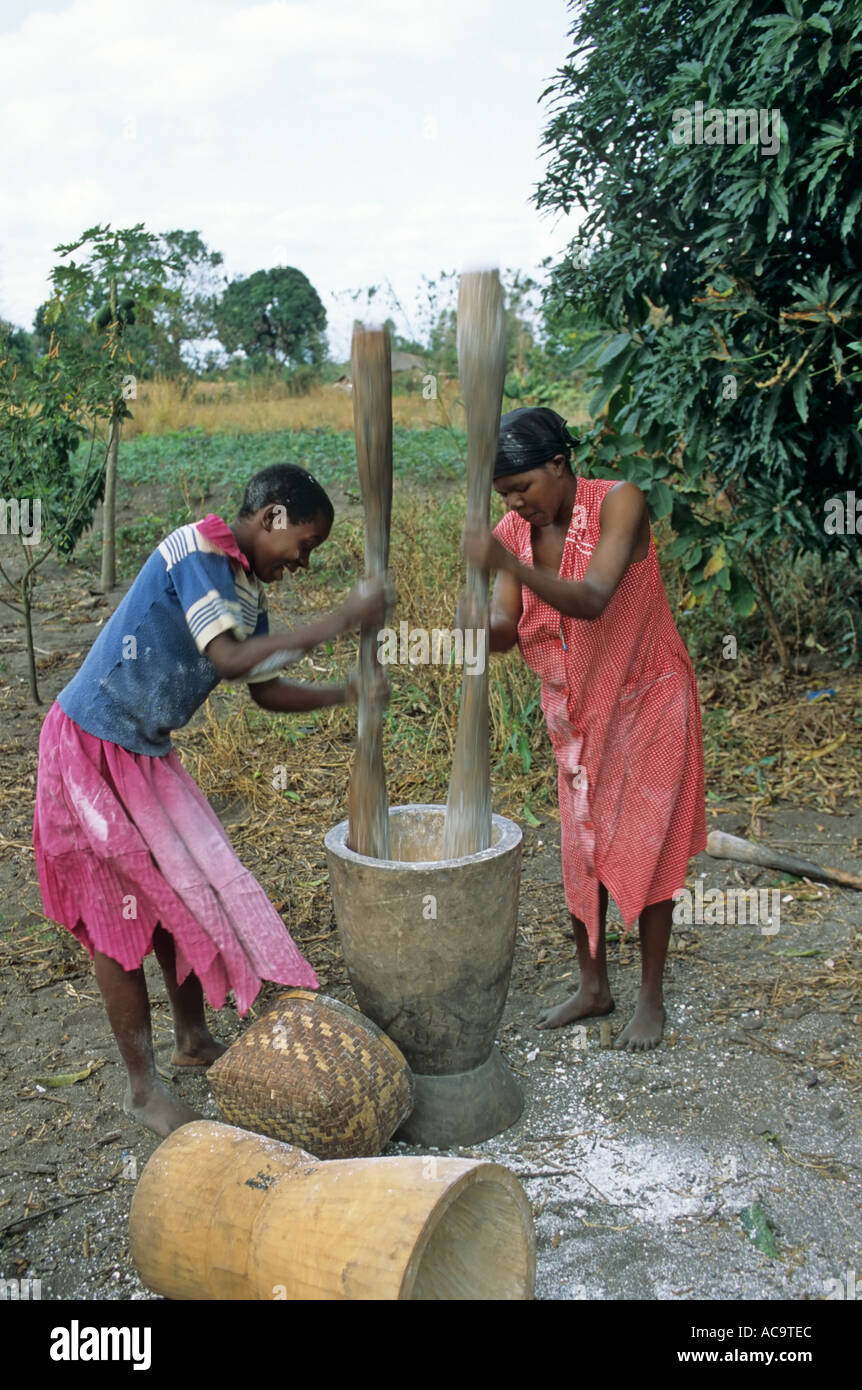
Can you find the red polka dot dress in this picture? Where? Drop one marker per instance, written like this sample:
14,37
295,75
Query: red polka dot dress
620,700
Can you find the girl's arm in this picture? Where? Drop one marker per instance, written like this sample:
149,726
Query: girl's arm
286,696
624,524
366,603
291,696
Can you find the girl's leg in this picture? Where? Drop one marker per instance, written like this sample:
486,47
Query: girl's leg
647,1025
194,1045
593,996
125,996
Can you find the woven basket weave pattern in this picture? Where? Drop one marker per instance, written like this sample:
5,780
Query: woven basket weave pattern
316,1073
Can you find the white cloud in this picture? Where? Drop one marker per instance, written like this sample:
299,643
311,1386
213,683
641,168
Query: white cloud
352,138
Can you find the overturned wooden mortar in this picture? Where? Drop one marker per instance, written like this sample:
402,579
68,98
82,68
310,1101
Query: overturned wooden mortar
219,1213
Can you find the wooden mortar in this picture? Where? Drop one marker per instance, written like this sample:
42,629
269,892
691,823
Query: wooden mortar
429,943
219,1213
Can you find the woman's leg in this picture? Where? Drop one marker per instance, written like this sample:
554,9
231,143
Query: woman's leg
194,1045
125,996
593,996
647,1025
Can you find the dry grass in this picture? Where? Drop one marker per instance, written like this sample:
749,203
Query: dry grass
254,406
250,407
834,987
764,741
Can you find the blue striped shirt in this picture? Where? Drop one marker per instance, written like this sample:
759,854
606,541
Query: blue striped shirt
147,672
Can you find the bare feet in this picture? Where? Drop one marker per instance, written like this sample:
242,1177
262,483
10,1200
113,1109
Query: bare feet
646,1028
201,1051
158,1110
583,1004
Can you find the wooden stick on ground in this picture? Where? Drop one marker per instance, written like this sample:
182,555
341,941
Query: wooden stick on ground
371,373
722,846
482,367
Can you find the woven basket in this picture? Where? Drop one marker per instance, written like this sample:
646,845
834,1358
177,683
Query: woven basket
318,1074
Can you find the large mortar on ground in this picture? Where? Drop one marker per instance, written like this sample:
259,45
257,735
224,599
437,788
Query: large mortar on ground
222,1214
428,945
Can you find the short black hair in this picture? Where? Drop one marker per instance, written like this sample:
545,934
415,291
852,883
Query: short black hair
288,486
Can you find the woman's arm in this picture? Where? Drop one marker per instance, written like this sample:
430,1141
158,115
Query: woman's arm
507,606
624,522
506,609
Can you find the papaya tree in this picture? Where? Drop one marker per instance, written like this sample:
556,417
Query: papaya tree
123,274
715,154
165,339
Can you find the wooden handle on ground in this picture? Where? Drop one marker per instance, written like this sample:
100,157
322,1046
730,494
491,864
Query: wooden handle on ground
482,367
371,373
722,846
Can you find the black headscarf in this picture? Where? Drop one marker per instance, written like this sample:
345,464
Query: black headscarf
530,437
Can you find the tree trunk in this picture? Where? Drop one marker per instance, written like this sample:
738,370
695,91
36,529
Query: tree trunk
28,638
109,510
109,506
769,613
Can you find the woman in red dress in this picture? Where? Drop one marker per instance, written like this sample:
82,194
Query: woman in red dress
579,590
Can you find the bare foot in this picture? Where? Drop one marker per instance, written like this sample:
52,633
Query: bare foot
646,1028
583,1004
159,1111
197,1052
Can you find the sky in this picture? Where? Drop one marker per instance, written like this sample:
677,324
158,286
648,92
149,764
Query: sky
358,140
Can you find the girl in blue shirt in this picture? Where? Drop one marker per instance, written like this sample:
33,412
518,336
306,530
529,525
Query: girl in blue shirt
131,857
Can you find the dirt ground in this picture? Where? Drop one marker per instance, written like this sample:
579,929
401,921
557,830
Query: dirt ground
637,1166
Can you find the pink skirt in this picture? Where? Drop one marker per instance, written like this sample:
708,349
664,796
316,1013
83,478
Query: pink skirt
125,843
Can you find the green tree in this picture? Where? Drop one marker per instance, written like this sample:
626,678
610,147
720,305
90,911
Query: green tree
125,273
274,316
727,276
46,409
187,314
71,323
17,343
